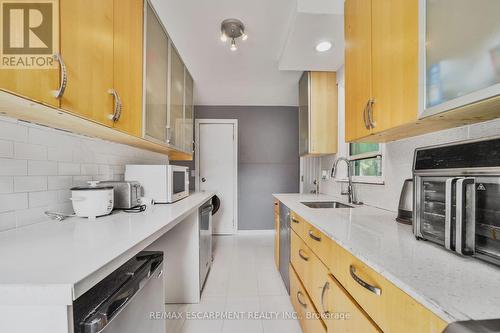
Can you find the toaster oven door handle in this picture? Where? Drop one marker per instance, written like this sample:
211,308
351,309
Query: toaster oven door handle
465,220
449,189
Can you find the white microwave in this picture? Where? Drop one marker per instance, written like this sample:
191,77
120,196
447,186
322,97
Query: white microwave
162,183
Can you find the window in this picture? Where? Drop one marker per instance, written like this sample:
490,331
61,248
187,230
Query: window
366,162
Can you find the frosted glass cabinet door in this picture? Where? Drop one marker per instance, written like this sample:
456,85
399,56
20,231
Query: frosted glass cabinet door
156,77
176,110
462,49
188,114
304,114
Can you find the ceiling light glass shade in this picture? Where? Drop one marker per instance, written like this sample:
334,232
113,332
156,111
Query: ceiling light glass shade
244,36
323,46
233,45
223,37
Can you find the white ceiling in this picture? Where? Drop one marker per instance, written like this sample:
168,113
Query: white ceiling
251,75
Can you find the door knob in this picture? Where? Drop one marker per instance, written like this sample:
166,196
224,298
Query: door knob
203,180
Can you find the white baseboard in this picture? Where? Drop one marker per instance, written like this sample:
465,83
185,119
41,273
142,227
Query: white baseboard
256,232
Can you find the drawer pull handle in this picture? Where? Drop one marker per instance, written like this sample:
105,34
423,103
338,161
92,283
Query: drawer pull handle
295,220
375,290
313,236
64,77
326,286
299,295
305,258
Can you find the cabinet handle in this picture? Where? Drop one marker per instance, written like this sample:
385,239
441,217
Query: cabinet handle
169,134
118,106
295,220
371,122
313,236
326,286
64,77
305,258
373,289
299,295
367,126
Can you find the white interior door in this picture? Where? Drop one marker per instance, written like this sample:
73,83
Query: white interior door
217,169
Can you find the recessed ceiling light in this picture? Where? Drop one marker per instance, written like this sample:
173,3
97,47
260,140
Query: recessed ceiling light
323,46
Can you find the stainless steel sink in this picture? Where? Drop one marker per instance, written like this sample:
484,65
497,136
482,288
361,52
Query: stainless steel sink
326,204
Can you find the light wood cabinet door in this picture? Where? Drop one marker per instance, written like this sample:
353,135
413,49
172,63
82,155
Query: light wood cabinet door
394,63
87,49
308,316
345,315
127,63
36,84
358,67
176,100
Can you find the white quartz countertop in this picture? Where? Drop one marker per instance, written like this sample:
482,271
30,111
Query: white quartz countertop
52,263
453,287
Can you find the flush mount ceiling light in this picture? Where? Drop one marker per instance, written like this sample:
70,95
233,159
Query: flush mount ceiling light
323,46
232,29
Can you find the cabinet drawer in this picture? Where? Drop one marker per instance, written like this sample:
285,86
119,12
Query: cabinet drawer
297,223
308,317
319,243
311,271
389,307
345,315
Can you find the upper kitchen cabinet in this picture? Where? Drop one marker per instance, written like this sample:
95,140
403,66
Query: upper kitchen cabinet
411,68
381,65
87,51
128,22
188,127
156,80
101,45
318,117
461,53
176,100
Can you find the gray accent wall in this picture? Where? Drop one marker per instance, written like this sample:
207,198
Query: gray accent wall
268,158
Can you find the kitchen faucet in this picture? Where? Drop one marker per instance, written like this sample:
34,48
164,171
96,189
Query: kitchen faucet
350,189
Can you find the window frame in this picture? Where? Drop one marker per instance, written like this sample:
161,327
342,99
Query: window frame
379,180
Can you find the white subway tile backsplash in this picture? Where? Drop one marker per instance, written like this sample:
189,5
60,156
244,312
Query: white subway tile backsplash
62,154
81,180
69,169
42,168
26,151
6,184
39,165
30,183
89,169
7,221
41,199
6,148
13,201
11,167
59,182
13,132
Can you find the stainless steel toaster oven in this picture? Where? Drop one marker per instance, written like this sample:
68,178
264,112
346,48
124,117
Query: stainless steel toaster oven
457,197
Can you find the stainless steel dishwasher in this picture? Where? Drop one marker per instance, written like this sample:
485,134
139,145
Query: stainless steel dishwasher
205,240
285,245
124,300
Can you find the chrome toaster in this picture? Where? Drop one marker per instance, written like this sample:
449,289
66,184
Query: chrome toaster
127,193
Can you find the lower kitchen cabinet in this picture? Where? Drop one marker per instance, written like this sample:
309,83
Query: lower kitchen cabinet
346,294
391,308
308,316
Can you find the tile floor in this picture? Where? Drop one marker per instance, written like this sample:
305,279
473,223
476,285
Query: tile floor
243,279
